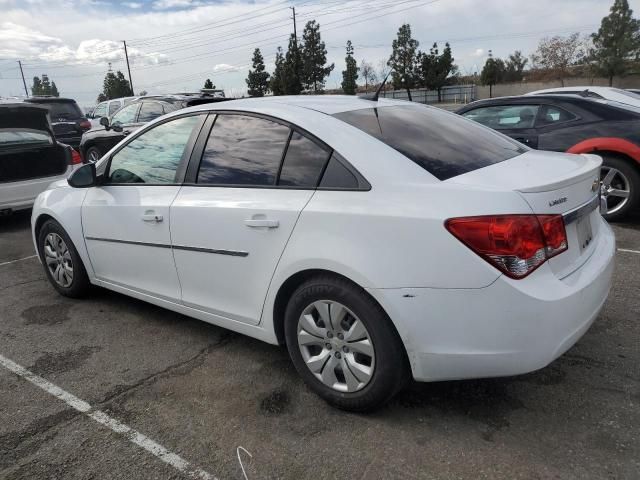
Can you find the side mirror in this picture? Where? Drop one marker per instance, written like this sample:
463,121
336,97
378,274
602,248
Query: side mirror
104,121
84,177
117,127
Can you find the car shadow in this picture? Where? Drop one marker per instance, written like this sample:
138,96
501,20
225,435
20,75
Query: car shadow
14,222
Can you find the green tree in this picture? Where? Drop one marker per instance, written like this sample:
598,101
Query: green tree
350,74
209,84
404,60
101,98
514,67
436,67
314,58
36,89
276,85
492,72
292,79
54,90
617,41
258,78
116,86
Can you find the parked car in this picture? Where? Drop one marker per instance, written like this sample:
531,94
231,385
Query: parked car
599,93
108,108
30,156
67,120
113,129
576,124
376,239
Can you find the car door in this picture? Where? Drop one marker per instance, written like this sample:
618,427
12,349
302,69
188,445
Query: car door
516,121
231,222
126,219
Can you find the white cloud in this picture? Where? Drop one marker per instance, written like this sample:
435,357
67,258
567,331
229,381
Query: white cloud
479,52
133,4
169,4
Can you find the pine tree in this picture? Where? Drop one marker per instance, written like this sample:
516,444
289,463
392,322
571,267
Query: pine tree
54,90
276,85
350,75
617,41
314,58
404,60
436,67
492,72
514,66
258,79
209,84
116,86
36,89
292,79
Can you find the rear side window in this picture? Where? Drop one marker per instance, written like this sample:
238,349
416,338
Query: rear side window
550,115
149,111
303,162
443,144
126,115
505,117
339,177
243,150
113,107
100,111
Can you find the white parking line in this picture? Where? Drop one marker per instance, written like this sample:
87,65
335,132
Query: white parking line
626,250
18,260
132,435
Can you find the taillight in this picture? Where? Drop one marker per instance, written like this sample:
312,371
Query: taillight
85,124
515,244
76,159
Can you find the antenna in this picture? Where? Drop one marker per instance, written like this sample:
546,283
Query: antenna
374,97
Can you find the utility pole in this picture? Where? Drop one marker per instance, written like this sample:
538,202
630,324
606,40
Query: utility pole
295,32
128,69
23,82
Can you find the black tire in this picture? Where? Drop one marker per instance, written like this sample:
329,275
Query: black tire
93,152
391,370
631,170
80,284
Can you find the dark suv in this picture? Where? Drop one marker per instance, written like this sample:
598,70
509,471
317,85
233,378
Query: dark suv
67,120
99,140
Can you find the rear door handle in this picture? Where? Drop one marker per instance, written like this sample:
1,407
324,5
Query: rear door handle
264,223
152,217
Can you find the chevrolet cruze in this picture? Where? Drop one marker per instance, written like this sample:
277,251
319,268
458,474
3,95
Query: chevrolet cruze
377,240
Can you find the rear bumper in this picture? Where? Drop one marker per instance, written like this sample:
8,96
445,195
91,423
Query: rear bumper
508,328
21,195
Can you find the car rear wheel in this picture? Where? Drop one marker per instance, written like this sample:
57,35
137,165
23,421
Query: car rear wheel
620,186
343,344
62,264
93,154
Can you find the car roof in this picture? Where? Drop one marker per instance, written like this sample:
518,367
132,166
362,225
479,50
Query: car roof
49,100
329,104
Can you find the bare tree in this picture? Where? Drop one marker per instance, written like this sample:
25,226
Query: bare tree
383,70
556,54
368,73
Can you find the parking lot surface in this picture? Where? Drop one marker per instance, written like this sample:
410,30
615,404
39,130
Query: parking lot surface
201,392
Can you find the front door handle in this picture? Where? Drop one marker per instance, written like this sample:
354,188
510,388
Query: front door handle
152,217
263,222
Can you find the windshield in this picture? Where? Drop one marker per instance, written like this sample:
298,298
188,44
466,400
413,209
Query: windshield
444,144
63,111
9,138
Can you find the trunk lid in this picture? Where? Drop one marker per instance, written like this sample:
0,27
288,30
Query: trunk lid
552,183
24,116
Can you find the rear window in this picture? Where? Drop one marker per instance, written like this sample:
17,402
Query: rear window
445,145
10,138
63,111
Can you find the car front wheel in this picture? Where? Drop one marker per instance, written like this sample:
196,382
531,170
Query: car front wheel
62,264
93,154
343,344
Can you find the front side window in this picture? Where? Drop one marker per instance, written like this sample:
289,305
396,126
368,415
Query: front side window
550,115
154,156
150,111
243,150
503,117
113,107
125,115
101,110
303,162
443,144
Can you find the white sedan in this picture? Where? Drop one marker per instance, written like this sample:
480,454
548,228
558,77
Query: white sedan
379,240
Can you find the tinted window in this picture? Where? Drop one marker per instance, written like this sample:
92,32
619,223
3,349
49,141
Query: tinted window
126,115
338,176
550,115
243,150
443,144
63,111
100,111
149,111
113,107
303,162
502,117
154,156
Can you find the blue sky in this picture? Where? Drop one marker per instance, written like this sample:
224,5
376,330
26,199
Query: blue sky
174,45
